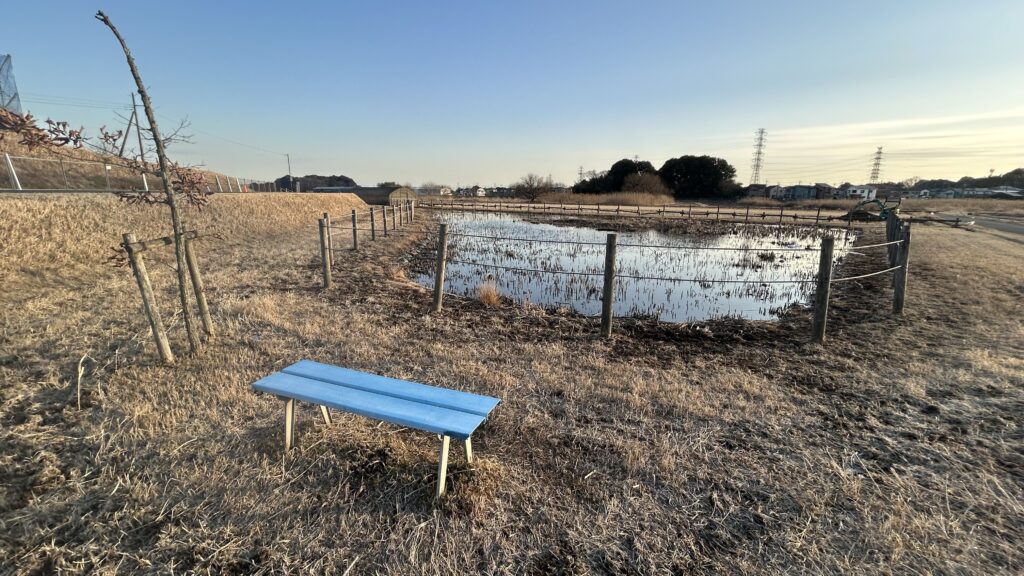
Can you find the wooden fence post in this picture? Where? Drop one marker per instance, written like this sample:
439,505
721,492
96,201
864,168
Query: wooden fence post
355,233
442,257
163,347
325,254
384,217
394,218
373,225
608,294
330,239
817,216
197,287
781,210
900,277
823,290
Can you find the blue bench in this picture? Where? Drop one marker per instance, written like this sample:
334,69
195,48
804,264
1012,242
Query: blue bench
448,413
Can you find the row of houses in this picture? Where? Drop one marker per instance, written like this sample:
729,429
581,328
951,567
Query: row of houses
993,192
818,191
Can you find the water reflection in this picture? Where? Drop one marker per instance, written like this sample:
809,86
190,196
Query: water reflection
750,274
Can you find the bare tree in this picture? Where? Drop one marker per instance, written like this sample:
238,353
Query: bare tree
532,186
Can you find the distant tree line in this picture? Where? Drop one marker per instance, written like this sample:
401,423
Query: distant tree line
1013,178
311,181
682,177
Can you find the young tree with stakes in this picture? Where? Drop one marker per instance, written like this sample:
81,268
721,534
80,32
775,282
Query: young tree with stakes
177,180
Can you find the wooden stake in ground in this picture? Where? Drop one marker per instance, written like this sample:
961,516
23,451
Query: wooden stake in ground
325,254
198,288
163,347
442,256
608,295
177,222
355,232
823,290
899,293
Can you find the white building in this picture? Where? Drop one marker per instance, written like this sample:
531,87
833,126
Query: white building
862,192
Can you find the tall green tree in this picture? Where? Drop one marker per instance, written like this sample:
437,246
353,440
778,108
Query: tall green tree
699,176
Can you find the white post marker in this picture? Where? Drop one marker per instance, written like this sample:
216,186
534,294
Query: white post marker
10,170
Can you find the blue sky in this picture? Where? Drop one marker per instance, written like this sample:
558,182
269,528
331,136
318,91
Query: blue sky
484,92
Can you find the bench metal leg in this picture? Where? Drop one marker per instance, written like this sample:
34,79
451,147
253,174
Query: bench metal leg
442,467
326,414
469,450
289,423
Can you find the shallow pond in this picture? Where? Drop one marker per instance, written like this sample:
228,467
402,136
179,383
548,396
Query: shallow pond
671,277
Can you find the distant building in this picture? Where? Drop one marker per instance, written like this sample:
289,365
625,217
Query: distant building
434,191
386,196
862,192
756,191
816,191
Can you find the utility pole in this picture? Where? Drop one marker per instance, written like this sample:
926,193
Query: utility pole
876,167
755,170
291,185
127,132
138,130
581,174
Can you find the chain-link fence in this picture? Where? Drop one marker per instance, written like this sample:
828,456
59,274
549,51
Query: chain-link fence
70,175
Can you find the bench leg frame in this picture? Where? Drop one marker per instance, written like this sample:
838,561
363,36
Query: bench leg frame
442,466
326,413
289,423
469,451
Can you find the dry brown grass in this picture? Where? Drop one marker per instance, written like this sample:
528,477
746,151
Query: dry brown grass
726,448
488,294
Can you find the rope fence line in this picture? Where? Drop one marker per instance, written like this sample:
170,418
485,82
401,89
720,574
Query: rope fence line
869,275
529,270
666,279
894,242
625,245
532,240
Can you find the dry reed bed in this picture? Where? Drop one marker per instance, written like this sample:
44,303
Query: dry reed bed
708,448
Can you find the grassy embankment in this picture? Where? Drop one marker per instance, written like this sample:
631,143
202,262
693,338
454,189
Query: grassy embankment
715,448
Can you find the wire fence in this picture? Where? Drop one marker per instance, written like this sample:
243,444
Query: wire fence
897,244
31,174
579,282
676,211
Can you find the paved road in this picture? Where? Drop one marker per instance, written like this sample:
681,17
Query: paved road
1011,224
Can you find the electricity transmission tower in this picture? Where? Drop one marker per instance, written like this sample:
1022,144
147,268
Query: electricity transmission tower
876,167
755,171
9,99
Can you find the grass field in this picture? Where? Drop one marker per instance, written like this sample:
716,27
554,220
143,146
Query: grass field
722,447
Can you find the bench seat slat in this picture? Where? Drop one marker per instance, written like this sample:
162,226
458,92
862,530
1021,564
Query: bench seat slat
421,393
429,418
